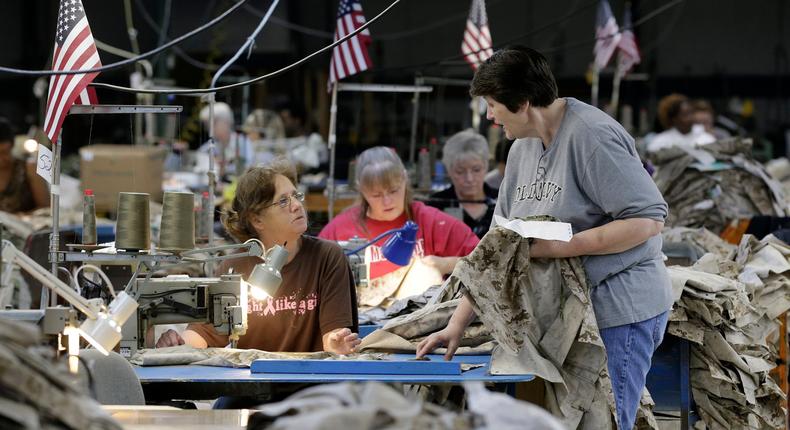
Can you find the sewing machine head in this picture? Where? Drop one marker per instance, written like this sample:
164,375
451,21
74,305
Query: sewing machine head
180,299
357,259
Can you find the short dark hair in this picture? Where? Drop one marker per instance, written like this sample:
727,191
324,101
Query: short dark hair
515,75
6,131
255,190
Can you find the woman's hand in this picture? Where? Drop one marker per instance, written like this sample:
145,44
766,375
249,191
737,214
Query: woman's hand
169,338
449,337
341,341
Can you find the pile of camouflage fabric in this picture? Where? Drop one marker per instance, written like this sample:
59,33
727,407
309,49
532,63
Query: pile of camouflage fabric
715,184
375,406
727,305
779,169
35,394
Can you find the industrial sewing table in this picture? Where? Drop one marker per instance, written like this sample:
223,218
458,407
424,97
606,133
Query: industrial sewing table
191,382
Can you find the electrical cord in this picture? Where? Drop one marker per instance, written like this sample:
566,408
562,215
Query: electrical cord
246,46
149,71
176,49
101,274
254,80
387,37
551,50
532,32
122,63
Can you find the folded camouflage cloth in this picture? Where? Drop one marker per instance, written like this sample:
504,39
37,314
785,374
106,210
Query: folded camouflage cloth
36,394
231,357
728,307
710,195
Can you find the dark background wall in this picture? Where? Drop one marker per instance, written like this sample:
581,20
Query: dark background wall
720,50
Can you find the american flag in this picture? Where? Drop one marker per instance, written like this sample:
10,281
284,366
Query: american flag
74,50
476,45
629,50
351,56
607,35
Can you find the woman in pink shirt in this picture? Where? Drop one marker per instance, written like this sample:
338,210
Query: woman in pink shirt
385,203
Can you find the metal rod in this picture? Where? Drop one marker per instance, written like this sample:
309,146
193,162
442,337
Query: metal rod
54,237
618,75
384,88
108,109
212,179
415,106
444,81
594,90
330,182
49,280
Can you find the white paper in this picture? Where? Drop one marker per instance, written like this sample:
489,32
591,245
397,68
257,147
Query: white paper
547,230
44,163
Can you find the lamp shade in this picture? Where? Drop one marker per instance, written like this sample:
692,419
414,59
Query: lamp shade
104,332
399,248
266,277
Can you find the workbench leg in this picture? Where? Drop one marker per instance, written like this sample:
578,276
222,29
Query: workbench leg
685,385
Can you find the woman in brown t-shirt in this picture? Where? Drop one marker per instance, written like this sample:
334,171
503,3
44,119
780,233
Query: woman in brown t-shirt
315,307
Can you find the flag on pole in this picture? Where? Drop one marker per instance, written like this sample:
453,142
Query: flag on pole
476,45
351,56
628,55
607,35
74,50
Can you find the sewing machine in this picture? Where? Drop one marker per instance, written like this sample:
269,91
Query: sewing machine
357,259
180,299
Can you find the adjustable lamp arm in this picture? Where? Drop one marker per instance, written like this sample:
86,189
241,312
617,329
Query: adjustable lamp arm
409,226
13,255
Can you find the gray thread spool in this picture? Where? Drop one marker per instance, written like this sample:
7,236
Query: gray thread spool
88,218
177,232
133,231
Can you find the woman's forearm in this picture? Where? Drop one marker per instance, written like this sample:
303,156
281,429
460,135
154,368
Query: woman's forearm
464,314
611,238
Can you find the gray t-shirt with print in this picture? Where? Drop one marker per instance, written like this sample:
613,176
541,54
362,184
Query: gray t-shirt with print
589,176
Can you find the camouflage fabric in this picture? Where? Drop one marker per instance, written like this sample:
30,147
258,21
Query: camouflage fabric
230,357
727,306
35,393
373,405
540,314
402,334
711,196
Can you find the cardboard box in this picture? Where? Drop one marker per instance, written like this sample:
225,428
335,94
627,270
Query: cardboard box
111,169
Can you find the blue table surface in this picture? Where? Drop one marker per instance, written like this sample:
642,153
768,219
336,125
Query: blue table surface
212,374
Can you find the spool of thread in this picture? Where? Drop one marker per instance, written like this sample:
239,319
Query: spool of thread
88,218
177,232
133,230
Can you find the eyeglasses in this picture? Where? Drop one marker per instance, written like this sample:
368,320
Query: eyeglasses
284,202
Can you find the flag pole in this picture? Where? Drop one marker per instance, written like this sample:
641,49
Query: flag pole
618,76
476,114
330,182
594,95
54,236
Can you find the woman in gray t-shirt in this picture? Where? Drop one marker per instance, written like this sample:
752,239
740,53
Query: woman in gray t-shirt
577,164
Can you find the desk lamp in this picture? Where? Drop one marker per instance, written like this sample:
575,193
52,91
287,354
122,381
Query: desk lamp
399,247
265,278
102,328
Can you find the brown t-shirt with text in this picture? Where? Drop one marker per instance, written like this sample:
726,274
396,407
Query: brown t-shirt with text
316,296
